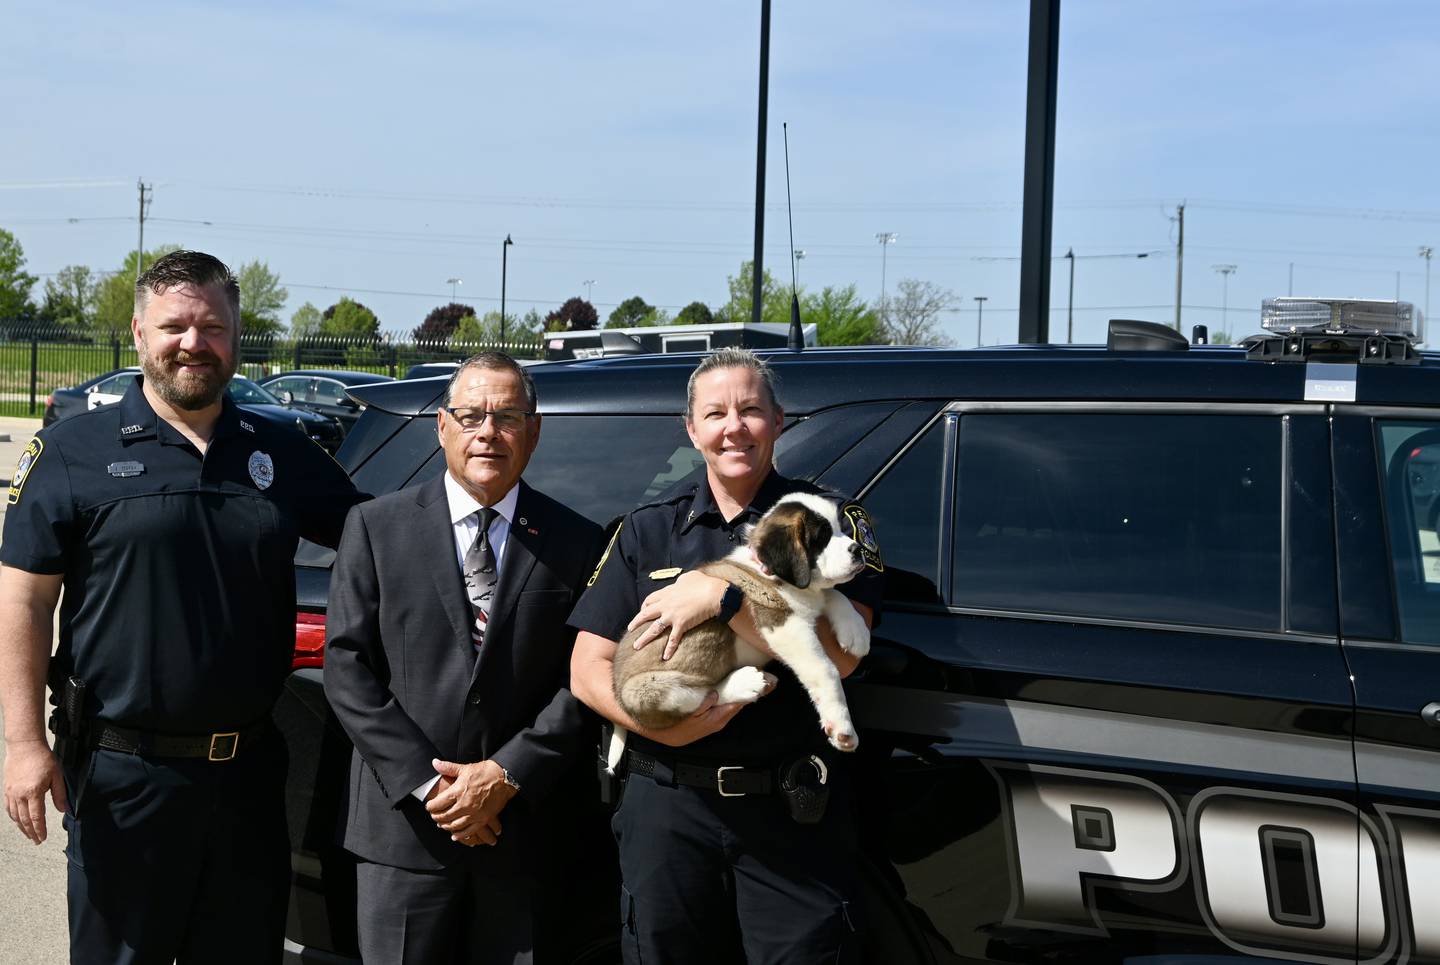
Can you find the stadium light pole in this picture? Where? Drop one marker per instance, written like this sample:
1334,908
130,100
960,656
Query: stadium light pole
1425,252
1225,272
980,301
452,282
504,270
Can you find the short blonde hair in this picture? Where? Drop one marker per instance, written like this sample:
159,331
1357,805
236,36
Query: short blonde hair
732,358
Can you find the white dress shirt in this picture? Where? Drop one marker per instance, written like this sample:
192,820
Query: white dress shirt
465,524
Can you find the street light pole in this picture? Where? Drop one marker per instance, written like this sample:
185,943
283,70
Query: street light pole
504,270
980,301
886,239
1070,307
1225,272
452,282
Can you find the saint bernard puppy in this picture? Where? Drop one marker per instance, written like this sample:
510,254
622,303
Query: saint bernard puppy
792,559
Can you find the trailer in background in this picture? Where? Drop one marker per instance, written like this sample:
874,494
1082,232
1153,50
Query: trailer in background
598,343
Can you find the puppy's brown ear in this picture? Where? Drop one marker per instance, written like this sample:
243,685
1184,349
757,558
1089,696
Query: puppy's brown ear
781,550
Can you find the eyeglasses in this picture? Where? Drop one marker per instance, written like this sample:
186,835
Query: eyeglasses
470,420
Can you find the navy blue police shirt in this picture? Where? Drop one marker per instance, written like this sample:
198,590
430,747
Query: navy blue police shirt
679,531
179,602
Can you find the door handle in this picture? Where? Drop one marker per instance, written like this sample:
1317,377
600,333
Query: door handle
1430,713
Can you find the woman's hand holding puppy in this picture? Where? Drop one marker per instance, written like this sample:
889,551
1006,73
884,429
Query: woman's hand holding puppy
692,599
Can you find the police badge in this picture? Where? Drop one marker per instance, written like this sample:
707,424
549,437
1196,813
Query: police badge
262,469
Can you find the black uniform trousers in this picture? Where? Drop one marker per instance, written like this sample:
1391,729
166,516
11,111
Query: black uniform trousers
178,859
724,880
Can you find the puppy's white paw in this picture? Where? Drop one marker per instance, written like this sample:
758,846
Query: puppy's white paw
745,686
841,734
853,636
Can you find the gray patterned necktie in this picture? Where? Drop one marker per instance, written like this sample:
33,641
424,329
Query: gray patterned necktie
480,576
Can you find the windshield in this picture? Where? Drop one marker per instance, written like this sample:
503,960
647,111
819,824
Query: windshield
243,390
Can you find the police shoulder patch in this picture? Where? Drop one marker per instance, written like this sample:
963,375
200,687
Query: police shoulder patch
862,531
23,467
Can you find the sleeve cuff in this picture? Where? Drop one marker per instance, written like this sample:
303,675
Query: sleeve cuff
420,792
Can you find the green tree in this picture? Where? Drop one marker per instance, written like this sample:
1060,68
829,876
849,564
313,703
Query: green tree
841,317
306,321
914,313
15,281
262,298
474,330
629,313
70,297
774,300
115,296
695,313
347,318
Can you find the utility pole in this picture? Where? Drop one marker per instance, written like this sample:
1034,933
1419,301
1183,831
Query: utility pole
1225,272
1179,262
886,239
1070,308
1425,252
147,194
980,301
758,286
589,284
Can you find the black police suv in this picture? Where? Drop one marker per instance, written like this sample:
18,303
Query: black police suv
1158,675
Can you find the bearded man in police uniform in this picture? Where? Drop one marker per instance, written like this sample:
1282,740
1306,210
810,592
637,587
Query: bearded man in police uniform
170,519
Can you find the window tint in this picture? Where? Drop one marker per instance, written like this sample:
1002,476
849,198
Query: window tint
328,391
1410,454
599,466
1158,518
905,505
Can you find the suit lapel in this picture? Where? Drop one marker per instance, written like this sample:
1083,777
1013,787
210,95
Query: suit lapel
434,530
521,548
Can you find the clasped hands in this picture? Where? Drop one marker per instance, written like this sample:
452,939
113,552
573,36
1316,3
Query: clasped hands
468,799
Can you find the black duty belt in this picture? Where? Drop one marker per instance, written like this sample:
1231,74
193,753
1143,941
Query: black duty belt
219,746
727,780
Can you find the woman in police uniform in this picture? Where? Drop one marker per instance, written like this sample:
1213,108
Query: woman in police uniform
730,847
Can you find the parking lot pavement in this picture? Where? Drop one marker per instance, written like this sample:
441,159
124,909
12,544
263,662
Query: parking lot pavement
32,879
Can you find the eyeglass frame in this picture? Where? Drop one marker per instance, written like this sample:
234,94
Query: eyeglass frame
492,414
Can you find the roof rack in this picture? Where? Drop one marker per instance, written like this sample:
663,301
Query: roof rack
1324,347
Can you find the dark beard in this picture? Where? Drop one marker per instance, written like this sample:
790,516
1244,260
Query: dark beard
186,391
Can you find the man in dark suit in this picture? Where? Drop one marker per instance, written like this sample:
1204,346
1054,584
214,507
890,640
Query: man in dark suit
447,663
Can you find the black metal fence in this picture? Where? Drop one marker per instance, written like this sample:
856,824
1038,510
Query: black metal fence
36,359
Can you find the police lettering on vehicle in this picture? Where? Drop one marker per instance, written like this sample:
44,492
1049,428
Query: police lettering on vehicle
1275,875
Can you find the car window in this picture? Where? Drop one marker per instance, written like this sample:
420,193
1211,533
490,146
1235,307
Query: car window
296,387
1165,518
905,507
1410,457
116,385
327,391
244,391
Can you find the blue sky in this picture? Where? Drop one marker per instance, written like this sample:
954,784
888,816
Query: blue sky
376,149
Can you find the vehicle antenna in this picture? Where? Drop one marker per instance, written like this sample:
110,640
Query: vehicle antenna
797,334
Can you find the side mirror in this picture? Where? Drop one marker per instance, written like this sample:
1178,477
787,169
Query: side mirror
348,403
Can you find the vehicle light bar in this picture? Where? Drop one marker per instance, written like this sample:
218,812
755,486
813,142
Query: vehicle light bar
309,641
1338,316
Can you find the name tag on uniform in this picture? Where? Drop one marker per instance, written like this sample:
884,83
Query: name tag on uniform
123,469
665,574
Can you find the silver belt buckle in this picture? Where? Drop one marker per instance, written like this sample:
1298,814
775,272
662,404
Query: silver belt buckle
720,780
